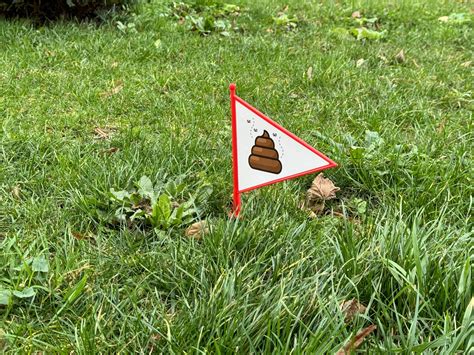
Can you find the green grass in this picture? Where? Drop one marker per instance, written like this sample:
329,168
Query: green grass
272,280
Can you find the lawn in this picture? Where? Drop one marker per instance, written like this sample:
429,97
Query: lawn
86,108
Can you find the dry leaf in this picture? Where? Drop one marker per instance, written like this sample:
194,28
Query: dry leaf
467,64
197,230
351,308
309,73
114,65
356,14
322,188
82,236
118,86
78,236
443,18
104,132
357,340
16,192
111,150
400,57
360,62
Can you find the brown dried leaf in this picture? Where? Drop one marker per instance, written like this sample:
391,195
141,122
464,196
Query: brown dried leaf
114,65
322,188
118,86
351,308
78,236
111,150
400,57
100,133
104,132
82,236
357,340
356,14
197,230
467,64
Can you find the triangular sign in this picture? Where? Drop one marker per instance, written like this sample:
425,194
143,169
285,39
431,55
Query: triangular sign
265,153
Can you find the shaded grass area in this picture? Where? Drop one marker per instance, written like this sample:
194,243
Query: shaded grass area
271,281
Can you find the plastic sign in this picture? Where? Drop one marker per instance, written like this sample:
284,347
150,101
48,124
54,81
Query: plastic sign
263,152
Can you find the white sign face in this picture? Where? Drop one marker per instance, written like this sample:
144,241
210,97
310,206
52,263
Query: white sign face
268,153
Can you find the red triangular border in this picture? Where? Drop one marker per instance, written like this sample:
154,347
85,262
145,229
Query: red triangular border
331,164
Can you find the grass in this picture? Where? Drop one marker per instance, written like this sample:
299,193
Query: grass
273,280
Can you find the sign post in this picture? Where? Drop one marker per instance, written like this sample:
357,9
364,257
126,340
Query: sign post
264,153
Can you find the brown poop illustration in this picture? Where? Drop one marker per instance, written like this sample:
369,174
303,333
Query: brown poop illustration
264,157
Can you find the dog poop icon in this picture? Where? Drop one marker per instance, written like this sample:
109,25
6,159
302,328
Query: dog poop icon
264,156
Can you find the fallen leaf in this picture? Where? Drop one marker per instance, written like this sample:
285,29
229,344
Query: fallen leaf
360,62
309,73
400,57
77,235
321,190
356,341
356,14
104,132
197,230
351,308
443,18
467,64
82,236
16,192
118,86
114,65
111,150
100,133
